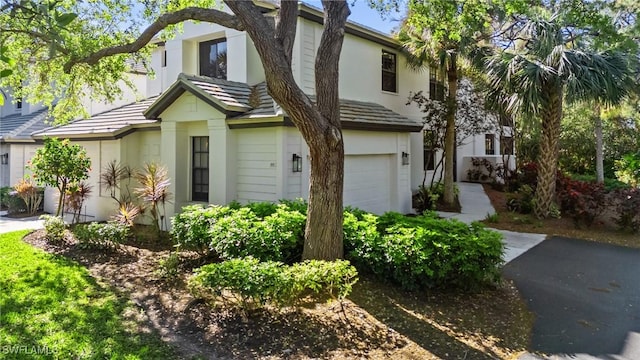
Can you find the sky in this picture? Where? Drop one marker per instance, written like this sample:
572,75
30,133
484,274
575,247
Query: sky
363,14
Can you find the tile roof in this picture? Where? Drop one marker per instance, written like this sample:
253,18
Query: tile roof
229,97
19,127
106,124
252,102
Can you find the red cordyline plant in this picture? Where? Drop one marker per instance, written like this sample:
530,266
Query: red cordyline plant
154,189
75,197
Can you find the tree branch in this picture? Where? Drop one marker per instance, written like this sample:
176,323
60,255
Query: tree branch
286,22
191,13
280,81
328,58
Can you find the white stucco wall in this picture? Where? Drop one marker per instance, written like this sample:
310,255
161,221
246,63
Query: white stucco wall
182,56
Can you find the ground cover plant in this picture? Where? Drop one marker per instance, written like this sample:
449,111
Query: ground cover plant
52,308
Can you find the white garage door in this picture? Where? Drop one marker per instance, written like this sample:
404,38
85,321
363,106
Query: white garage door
367,182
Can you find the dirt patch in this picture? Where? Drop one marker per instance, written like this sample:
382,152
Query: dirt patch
603,230
376,322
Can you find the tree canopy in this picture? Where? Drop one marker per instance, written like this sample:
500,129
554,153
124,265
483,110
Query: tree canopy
63,49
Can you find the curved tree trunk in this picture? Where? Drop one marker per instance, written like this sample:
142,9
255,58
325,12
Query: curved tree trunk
548,157
450,134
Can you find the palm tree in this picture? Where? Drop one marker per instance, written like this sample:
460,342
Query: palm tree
444,34
543,68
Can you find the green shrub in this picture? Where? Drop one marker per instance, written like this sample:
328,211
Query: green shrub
609,184
4,195
249,283
191,228
277,237
169,266
424,252
101,235
299,205
14,204
628,169
54,228
427,197
236,233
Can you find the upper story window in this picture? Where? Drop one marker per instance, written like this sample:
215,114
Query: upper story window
164,58
490,144
389,78
213,58
506,145
18,104
506,120
436,84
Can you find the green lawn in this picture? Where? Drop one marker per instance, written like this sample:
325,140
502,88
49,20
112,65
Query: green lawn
51,308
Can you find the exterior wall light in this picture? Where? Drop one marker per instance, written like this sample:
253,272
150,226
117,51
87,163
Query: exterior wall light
4,159
297,163
405,158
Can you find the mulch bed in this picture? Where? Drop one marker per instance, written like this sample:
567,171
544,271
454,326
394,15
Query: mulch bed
377,322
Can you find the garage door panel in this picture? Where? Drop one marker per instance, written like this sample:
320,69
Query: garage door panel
367,182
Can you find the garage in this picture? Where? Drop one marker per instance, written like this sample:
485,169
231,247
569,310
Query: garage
367,182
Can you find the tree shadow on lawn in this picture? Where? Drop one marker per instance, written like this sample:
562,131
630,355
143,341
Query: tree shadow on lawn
452,325
57,306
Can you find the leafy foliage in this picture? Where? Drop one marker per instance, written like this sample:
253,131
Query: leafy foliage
628,169
627,209
31,195
583,201
101,235
234,233
427,197
154,189
424,251
249,283
75,197
54,228
60,164
116,178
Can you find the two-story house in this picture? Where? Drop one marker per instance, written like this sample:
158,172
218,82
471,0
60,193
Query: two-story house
209,119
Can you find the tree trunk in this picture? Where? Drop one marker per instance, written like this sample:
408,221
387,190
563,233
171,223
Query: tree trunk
599,146
318,123
548,157
450,134
323,234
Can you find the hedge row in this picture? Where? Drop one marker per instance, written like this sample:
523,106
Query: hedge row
413,252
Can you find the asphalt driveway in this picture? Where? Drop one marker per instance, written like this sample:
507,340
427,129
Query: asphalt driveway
586,297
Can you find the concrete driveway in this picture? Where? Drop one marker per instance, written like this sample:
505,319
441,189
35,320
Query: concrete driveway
586,298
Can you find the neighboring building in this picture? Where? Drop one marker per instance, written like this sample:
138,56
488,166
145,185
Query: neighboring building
209,119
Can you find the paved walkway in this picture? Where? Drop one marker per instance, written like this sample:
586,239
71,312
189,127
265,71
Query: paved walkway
15,224
476,206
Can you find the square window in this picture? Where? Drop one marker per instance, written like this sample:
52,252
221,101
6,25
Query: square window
213,58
